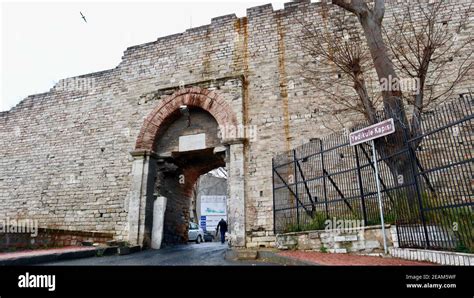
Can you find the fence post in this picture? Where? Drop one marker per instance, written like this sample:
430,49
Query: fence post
414,171
361,188
273,193
296,190
324,178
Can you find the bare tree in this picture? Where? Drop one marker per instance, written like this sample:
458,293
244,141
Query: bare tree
421,49
371,21
339,63
426,47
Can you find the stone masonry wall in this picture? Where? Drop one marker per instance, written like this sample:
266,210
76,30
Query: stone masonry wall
359,240
200,122
49,238
64,154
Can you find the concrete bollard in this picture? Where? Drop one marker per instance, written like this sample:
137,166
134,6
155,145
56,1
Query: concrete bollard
159,207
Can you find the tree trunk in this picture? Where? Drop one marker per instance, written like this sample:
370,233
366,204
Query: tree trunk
406,197
399,165
392,98
393,107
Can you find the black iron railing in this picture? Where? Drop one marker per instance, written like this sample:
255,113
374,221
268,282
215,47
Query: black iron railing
426,184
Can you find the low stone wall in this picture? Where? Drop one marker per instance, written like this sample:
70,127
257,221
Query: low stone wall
260,239
49,238
367,240
362,240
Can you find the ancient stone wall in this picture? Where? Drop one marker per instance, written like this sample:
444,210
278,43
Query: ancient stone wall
198,122
65,154
47,238
357,240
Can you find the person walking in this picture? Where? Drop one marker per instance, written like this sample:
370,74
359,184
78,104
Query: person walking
222,227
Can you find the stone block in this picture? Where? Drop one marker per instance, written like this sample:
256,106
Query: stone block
371,244
351,238
264,239
159,207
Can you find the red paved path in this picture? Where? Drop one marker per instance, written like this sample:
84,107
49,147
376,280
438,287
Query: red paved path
349,259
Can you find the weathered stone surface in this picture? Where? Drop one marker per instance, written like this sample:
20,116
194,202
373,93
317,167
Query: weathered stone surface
159,207
65,154
366,240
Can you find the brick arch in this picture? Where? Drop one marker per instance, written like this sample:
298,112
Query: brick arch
168,108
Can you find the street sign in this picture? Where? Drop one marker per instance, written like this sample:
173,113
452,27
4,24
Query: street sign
213,205
372,132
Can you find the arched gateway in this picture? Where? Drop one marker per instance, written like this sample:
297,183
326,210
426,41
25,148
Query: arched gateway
179,141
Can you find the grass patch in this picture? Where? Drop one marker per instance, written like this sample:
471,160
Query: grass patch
317,222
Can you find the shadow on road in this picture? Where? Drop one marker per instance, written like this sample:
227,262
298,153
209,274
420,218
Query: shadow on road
204,254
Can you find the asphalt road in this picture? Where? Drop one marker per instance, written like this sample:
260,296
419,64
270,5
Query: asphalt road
209,253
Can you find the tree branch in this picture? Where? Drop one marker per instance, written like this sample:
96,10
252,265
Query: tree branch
379,10
357,7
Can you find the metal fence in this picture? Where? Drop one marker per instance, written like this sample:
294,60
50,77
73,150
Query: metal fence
430,202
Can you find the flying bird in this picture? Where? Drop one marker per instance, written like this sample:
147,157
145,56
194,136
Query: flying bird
83,17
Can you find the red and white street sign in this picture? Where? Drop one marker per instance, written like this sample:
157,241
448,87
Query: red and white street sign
372,132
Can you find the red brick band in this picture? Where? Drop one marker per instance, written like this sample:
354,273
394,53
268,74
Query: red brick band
209,101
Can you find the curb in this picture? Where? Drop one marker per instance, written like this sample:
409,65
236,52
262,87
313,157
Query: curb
439,257
31,260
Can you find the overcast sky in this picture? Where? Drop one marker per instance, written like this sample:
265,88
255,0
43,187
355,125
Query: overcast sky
43,42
